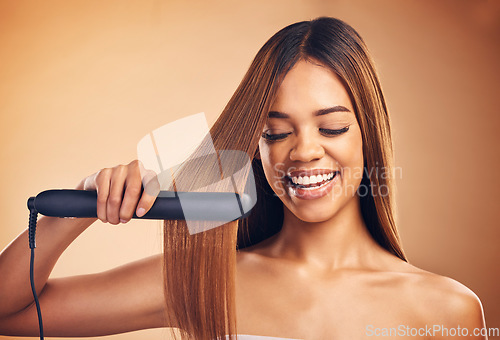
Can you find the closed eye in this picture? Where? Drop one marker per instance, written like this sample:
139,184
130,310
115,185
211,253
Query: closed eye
274,137
334,132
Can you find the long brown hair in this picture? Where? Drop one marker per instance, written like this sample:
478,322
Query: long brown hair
200,269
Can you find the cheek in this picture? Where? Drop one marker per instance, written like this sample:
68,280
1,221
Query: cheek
271,154
273,163
348,152
356,149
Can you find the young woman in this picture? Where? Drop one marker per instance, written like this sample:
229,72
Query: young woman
319,257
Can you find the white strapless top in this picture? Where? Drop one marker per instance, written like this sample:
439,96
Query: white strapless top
258,337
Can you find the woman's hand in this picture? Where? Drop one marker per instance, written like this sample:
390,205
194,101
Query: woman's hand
119,191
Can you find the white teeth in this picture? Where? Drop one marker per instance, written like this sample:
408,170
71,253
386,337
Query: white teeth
305,180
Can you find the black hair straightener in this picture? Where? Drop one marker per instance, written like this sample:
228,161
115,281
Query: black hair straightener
197,206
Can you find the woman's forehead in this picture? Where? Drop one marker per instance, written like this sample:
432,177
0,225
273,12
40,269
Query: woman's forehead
309,85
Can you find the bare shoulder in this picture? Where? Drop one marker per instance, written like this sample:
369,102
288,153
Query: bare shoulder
445,300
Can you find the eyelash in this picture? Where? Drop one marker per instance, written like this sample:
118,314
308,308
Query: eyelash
329,132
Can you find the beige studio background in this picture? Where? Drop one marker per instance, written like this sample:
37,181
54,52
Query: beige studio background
81,82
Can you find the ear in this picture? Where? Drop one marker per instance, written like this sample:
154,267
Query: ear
257,153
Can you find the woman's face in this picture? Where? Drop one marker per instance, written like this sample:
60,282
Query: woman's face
311,148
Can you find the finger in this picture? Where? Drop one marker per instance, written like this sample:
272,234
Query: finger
101,183
133,188
151,191
116,194
90,182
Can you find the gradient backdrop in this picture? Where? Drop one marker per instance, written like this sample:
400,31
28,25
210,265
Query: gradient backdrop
81,82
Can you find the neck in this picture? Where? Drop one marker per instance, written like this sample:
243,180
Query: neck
342,241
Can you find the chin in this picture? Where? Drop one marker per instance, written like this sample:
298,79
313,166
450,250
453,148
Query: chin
314,215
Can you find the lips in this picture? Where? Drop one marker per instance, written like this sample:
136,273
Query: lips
311,178
311,184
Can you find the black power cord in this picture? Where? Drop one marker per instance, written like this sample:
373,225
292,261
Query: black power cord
32,244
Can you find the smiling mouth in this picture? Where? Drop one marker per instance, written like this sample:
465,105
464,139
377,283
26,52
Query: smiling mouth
311,182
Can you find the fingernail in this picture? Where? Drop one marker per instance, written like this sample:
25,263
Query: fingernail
140,212
122,220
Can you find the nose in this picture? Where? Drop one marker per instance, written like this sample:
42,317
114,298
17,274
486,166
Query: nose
306,149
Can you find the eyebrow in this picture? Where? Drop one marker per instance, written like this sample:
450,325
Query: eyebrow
337,108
